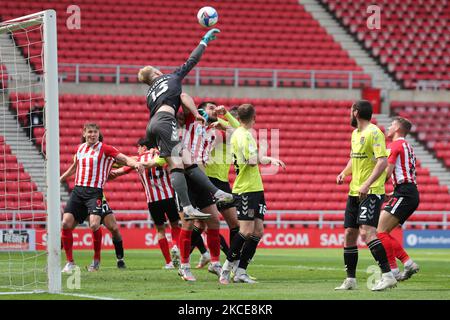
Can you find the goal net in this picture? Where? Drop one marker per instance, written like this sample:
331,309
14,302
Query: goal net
29,155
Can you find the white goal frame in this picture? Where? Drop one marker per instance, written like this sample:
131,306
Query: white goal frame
50,76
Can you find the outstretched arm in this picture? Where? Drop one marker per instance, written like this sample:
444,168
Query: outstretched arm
123,159
195,56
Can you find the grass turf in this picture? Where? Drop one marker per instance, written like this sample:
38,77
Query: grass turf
282,274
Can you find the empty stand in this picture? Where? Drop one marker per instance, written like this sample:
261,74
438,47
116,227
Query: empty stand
413,41
431,124
270,34
17,190
314,143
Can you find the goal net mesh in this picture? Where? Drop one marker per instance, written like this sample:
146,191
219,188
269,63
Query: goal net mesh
23,184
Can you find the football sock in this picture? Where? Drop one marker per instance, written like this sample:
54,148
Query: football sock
233,232
213,241
351,260
97,235
248,251
387,244
399,252
223,244
164,246
175,231
185,245
197,240
236,246
118,247
379,254
67,239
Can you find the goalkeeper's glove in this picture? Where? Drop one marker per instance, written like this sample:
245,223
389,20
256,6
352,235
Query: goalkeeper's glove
209,36
203,113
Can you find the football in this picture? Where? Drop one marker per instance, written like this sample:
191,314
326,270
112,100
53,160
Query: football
207,16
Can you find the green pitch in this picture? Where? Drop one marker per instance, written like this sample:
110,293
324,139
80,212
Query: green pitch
282,274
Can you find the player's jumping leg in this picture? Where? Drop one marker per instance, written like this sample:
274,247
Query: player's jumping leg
198,176
68,224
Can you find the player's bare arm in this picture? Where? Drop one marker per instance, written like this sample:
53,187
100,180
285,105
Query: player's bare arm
70,171
188,105
376,173
273,161
118,173
346,172
123,159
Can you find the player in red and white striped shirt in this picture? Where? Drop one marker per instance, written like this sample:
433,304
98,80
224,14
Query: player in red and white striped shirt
93,162
199,196
404,200
160,199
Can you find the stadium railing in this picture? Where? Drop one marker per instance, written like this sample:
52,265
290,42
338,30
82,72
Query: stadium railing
433,85
75,72
279,219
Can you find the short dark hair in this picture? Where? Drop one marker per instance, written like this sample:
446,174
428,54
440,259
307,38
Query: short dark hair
95,126
405,124
246,112
205,103
144,142
234,111
364,109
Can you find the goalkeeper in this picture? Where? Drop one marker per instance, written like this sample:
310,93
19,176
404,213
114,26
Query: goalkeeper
163,101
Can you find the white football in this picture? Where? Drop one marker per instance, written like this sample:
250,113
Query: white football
207,16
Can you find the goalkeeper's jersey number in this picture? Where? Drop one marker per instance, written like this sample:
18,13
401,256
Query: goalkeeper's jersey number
159,90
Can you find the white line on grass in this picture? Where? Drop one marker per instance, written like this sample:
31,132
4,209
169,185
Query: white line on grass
87,296
62,293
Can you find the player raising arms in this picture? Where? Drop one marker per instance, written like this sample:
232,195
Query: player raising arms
248,188
93,161
163,101
367,164
405,199
216,157
160,200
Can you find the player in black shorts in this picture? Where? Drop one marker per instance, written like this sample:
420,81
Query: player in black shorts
107,217
163,101
87,197
202,199
404,200
160,200
367,164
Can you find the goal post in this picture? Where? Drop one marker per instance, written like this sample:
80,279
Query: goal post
45,77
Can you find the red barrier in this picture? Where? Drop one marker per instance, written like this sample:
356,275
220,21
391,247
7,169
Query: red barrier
273,238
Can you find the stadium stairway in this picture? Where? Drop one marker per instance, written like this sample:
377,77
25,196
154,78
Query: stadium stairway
13,59
381,79
427,159
24,149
